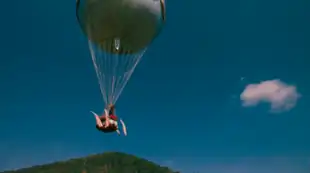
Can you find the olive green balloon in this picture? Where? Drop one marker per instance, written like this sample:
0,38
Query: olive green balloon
121,26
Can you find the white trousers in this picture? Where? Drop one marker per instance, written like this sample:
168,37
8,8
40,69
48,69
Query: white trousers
113,122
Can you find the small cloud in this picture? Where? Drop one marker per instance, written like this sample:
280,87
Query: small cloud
281,96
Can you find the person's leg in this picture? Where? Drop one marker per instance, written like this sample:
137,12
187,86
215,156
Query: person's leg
116,126
98,121
118,132
98,128
124,127
113,122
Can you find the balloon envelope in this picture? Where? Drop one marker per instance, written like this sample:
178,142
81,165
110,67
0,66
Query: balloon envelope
120,26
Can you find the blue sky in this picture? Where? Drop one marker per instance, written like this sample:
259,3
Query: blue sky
191,72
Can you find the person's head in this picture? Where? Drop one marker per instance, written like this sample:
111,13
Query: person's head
111,108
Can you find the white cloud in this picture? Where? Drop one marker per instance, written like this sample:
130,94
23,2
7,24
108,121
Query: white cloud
281,96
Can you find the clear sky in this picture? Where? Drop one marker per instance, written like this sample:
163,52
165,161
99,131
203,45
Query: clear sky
191,72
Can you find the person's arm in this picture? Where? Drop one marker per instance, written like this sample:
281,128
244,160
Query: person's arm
118,132
107,119
106,113
103,116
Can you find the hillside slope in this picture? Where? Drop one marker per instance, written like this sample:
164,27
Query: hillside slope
112,162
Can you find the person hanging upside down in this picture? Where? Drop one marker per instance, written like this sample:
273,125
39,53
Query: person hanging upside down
108,121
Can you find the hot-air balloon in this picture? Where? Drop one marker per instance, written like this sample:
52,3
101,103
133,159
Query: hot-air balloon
118,32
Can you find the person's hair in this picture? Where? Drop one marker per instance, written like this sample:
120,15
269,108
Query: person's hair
112,109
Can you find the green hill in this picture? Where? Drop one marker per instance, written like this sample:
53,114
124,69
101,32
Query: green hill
112,162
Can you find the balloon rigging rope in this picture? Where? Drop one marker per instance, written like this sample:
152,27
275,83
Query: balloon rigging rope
113,70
